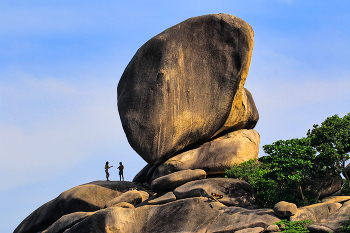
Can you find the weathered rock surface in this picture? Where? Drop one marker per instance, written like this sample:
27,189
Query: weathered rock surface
133,197
285,209
84,198
187,215
173,180
236,218
141,176
124,205
193,211
67,221
185,85
251,230
165,198
215,156
235,192
324,187
339,199
313,228
316,212
272,228
337,219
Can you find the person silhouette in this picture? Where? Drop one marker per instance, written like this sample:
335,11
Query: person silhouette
106,170
121,168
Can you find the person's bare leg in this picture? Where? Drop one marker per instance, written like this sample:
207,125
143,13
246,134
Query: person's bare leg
107,176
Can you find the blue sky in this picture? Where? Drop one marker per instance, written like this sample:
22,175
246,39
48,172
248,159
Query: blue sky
60,63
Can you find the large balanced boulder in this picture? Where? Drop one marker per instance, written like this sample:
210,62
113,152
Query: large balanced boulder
186,85
215,156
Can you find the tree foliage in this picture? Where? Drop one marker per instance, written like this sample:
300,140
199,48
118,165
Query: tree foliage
293,227
331,140
254,173
291,163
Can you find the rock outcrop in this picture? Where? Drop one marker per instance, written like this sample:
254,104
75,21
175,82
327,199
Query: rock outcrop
317,212
215,156
234,192
183,212
186,85
84,198
334,221
192,207
173,180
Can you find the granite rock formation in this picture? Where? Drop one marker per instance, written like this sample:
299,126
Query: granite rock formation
189,208
214,156
86,209
186,85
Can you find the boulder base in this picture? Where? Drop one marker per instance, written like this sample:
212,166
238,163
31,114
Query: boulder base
215,156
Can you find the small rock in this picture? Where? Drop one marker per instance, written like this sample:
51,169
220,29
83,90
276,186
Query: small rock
133,197
285,209
251,230
319,229
144,195
173,180
272,228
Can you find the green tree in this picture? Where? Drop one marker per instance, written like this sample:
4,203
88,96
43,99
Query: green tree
331,140
291,163
254,173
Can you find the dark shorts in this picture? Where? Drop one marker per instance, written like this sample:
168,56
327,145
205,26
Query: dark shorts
121,173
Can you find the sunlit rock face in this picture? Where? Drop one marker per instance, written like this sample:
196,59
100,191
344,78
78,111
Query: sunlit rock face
186,85
215,156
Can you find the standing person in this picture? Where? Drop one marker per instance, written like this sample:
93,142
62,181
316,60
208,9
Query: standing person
121,168
106,170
